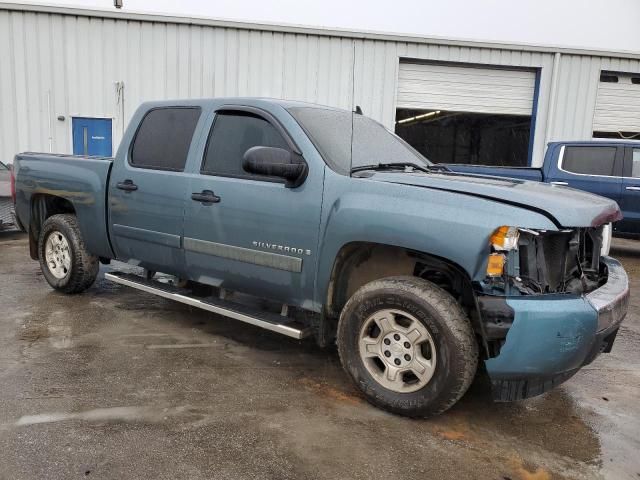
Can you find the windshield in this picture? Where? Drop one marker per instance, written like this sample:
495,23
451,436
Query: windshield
330,131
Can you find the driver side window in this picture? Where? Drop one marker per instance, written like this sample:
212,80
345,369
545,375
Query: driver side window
232,134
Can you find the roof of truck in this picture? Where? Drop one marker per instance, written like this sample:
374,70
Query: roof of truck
243,100
612,141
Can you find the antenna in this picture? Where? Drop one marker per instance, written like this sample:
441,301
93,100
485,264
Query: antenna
117,3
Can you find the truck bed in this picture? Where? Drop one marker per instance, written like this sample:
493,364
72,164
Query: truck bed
82,181
523,173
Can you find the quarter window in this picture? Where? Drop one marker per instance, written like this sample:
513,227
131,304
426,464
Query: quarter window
589,160
163,139
635,163
234,133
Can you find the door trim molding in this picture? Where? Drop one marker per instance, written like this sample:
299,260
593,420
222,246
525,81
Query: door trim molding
247,255
151,236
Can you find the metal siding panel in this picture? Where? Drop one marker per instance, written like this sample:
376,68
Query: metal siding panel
243,63
195,62
80,59
147,88
453,88
183,58
230,86
574,110
158,58
208,62
542,114
172,69
20,78
8,122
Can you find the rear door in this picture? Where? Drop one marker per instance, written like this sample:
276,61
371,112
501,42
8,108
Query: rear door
255,235
148,188
592,168
630,202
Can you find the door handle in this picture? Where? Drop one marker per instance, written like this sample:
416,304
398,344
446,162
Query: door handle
558,183
205,197
635,189
127,185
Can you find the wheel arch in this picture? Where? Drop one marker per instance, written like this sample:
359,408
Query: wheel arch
42,207
358,263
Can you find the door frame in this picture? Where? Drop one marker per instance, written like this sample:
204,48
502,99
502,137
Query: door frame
101,117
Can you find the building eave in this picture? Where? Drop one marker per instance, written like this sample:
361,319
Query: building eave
305,30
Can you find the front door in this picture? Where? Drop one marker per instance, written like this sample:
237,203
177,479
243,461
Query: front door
253,234
148,189
92,136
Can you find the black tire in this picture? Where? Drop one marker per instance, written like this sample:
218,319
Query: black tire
456,348
84,265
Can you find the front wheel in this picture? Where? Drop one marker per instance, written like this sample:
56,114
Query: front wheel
65,263
408,346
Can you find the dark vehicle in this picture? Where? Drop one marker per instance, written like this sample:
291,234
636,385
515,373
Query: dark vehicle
610,168
313,221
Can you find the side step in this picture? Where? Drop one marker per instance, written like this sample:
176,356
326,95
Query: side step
270,321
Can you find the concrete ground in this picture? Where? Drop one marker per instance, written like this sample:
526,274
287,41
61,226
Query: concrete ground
115,383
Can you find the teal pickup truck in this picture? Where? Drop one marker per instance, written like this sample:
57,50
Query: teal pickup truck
312,221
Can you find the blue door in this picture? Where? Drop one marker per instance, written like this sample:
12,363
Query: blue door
630,201
92,136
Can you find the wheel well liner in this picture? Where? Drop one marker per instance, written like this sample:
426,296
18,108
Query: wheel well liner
44,206
358,263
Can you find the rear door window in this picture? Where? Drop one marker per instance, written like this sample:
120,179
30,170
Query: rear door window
586,160
163,139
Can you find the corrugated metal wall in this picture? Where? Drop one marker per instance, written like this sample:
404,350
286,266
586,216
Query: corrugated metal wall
53,64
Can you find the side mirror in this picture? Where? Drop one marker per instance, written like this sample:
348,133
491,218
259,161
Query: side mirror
275,162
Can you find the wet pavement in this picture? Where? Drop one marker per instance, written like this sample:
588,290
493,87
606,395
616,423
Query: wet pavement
115,383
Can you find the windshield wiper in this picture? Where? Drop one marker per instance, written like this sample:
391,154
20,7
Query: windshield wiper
402,165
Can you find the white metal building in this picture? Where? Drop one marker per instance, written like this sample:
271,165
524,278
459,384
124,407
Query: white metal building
59,65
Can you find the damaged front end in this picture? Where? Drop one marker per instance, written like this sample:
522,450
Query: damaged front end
540,321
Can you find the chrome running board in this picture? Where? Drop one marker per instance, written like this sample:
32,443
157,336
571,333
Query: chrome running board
267,320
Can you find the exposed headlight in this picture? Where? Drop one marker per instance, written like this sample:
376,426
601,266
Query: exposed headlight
504,239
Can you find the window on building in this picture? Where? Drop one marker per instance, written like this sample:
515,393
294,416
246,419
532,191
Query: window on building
163,139
608,78
589,160
234,133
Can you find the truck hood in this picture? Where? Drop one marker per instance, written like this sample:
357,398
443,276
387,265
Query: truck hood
565,206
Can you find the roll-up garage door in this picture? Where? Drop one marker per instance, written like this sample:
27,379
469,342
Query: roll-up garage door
465,89
618,103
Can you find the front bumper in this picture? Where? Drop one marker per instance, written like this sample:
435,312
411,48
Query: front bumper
551,336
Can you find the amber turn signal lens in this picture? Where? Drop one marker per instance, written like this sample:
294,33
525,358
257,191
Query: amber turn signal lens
504,238
495,266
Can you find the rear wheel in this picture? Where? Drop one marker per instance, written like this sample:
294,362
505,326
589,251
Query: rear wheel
65,263
408,345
